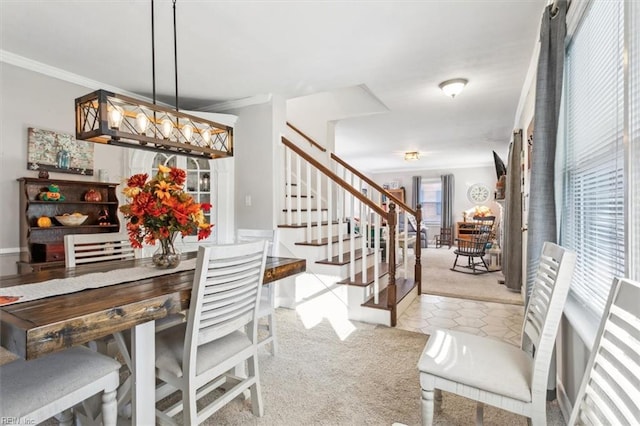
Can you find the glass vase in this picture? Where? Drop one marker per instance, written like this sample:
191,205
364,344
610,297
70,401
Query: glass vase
166,256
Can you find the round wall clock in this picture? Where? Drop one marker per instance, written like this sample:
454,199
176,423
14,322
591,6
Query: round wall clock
478,193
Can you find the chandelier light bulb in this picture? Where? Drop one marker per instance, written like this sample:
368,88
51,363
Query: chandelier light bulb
187,132
206,136
115,115
166,128
142,122
453,87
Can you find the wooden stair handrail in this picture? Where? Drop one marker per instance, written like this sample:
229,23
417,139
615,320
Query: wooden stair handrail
337,179
373,184
311,141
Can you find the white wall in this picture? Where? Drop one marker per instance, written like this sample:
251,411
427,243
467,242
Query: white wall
464,178
257,146
30,99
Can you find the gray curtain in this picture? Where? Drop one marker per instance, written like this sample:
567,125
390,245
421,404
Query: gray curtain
512,246
447,201
542,210
416,183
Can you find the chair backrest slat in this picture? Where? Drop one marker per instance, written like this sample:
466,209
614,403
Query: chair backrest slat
544,311
91,248
225,294
245,235
610,390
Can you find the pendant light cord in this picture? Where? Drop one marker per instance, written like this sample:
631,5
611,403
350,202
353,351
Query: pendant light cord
153,54
175,51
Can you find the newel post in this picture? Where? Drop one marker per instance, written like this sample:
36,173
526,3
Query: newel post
391,247
417,249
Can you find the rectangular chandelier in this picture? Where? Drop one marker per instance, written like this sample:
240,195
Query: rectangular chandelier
108,118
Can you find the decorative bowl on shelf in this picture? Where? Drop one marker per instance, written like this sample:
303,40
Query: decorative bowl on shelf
72,219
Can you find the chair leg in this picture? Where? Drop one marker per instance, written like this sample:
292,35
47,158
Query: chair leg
65,418
256,395
109,408
427,406
272,332
479,413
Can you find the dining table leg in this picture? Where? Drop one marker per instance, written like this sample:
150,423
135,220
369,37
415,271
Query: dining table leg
143,355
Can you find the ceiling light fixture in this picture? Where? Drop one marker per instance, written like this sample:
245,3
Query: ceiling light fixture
411,156
453,87
108,118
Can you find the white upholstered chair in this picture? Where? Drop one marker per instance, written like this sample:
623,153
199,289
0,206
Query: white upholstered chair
266,309
33,391
610,390
497,373
220,334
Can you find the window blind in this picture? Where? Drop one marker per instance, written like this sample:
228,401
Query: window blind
633,212
593,213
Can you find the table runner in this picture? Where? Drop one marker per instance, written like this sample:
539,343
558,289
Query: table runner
56,287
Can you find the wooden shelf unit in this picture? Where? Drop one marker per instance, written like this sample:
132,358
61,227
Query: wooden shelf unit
39,240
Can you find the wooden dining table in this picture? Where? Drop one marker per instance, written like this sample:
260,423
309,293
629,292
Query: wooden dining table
38,327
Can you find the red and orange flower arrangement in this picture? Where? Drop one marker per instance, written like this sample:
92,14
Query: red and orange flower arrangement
159,210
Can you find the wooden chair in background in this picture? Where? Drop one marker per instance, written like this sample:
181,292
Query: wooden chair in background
474,246
495,372
444,238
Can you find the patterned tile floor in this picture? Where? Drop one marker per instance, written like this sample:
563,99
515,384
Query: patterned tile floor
497,320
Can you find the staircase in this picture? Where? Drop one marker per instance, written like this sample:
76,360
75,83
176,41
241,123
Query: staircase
345,226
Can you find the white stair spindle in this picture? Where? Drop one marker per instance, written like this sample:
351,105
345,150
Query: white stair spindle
319,204
376,270
289,178
352,243
309,228
364,224
341,217
330,187
299,188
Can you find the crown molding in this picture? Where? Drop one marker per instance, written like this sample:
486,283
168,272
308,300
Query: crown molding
238,103
60,74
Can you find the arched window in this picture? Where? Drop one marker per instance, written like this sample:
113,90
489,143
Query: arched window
198,183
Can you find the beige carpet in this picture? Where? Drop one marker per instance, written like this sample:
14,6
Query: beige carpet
438,279
367,378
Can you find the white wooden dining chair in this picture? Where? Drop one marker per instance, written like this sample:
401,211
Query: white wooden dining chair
220,334
497,373
266,309
85,249
33,391
80,249
610,390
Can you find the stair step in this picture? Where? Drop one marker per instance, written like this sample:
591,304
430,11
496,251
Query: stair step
304,224
345,259
383,270
325,241
304,210
403,287
299,196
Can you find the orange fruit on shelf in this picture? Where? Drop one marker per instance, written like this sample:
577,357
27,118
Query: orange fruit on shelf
44,222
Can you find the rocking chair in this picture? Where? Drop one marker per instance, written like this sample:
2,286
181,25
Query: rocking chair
473,247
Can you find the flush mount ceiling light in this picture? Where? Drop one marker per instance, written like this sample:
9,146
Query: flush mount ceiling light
109,118
453,87
411,156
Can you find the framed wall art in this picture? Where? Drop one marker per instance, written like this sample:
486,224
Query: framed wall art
58,152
